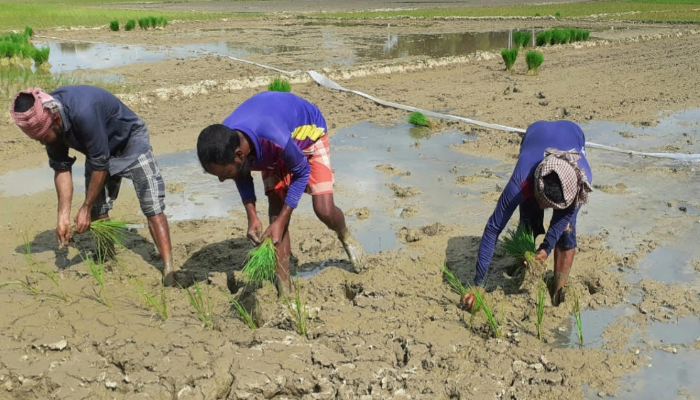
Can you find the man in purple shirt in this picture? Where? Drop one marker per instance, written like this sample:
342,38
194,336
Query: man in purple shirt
284,137
551,172
116,145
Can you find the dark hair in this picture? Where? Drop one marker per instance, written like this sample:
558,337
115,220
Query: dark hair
217,144
552,188
24,102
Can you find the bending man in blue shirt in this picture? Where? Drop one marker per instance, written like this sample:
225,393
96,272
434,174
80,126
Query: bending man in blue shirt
284,137
551,172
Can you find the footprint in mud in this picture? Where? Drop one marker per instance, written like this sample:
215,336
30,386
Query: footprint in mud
403,192
360,213
391,170
409,212
619,188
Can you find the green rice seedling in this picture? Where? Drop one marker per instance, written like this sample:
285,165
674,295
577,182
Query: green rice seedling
130,25
541,291
558,14
586,34
41,56
28,31
298,311
114,25
152,22
481,304
520,243
261,265
509,56
572,35
560,36
162,21
279,85
144,23
25,284
455,285
38,267
97,270
418,119
158,304
243,315
521,38
543,38
106,235
533,59
576,311
201,304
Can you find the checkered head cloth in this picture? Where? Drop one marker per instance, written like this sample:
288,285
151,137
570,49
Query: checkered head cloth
37,120
574,182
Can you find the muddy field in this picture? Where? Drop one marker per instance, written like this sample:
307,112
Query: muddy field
394,331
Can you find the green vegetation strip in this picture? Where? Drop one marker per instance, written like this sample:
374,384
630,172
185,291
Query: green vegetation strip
672,11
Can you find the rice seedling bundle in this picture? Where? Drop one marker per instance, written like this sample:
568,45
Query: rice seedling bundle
106,235
543,38
162,21
28,31
560,36
418,119
114,25
521,38
455,285
201,305
533,59
144,23
279,85
41,56
153,22
130,25
509,57
520,244
261,265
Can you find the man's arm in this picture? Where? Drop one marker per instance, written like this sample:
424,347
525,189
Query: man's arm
63,180
557,225
97,181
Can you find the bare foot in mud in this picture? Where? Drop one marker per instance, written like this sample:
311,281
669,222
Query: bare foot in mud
169,278
354,250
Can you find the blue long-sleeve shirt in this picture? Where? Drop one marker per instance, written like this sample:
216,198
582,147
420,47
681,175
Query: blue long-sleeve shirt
561,135
100,126
280,125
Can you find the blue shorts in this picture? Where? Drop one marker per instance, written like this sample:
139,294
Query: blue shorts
533,215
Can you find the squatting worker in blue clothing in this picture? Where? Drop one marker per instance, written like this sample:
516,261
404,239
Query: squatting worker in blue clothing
116,145
285,137
551,172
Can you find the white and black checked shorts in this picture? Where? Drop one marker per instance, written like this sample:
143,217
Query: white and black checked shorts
148,183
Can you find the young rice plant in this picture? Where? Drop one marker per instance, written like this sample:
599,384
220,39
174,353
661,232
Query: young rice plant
418,119
28,31
38,267
130,25
279,85
262,264
576,311
97,270
106,235
297,310
509,57
25,284
114,25
243,315
521,38
150,300
533,59
479,301
202,305
41,56
541,295
520,244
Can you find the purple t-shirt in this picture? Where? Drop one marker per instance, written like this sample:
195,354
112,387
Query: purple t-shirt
280,125
561,135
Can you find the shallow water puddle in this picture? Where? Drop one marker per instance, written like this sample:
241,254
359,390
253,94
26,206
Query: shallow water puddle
66,57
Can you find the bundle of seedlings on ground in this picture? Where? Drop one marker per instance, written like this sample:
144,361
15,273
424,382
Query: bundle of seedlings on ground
521,38
38,267
261,265
28,31
561,36
114,25
41,56
130,25
15,47
541,296
297,310
106,236
201,304
576,311
243,315
418,119
97,270
279,85
533,59
509,57
152,22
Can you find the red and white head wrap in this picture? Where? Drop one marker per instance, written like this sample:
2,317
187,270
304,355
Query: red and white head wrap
37,120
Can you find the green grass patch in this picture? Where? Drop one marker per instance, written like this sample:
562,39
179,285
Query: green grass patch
261,265
296,305
509,57
279,85
201,304
533,59
130,25
418,119
521,38
114,25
